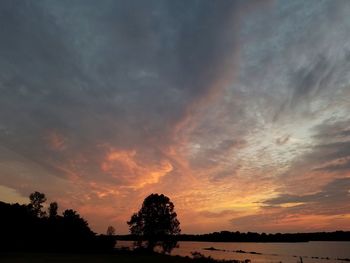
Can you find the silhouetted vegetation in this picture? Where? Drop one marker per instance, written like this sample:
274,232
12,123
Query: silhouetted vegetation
126,257
110,231
36,201
53,208
27,227
227,236
31,227
155,224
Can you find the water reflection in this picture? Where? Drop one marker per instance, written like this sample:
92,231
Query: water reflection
311,252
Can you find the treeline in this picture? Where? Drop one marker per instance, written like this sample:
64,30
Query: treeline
227,236
31,228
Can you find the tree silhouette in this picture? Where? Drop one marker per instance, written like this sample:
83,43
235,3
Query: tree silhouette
24,227
156,223
110,231
76,224
36,200
53,210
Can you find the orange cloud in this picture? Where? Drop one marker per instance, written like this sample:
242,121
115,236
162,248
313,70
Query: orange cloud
134,173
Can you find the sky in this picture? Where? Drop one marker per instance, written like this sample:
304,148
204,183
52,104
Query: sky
238,111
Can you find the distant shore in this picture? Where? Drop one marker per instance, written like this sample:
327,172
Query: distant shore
227,236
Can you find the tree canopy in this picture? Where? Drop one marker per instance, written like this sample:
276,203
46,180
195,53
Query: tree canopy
27,227
53,210
36,201
156,223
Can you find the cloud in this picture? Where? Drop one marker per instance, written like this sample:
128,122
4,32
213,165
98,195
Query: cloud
330,151
91,93
285,212
332,129
336,192
124,166
78,98
283,140
220,105
309,81
221,214
340,166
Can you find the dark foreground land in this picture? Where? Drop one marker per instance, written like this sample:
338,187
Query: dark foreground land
87,258
26,257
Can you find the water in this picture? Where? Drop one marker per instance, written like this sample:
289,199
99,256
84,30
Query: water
311,252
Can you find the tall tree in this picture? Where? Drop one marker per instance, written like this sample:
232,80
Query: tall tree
36,201
53,210
156,223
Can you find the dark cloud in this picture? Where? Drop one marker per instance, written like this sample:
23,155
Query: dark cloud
108,81
293,68
330,138
332,130
336,192
310,84
332,156
339,167
309,81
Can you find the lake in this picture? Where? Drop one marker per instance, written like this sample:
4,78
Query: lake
311,252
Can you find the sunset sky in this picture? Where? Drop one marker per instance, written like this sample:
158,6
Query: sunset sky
239,111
